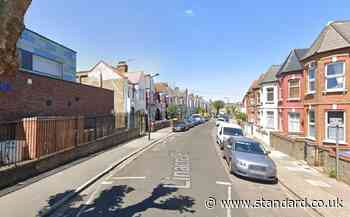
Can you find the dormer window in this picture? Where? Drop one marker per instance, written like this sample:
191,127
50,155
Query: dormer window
335,76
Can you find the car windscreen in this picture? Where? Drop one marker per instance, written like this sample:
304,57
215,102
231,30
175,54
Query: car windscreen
249,147
229,131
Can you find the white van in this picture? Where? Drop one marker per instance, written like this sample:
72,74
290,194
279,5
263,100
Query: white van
227,130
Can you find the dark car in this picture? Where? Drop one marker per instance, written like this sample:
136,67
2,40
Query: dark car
179,126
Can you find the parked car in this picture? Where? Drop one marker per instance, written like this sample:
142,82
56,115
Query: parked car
227,130
246,157
190,122
197,118
179,126
219,121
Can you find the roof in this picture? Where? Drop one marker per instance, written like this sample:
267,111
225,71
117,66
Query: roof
134,77
161,87
106,64
334,36
292,62
270,75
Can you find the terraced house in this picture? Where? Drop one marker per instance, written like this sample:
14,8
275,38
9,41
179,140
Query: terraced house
327,82
291,94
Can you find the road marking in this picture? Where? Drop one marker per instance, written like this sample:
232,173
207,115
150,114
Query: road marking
171,185
106,183
223,183
132,177
229,199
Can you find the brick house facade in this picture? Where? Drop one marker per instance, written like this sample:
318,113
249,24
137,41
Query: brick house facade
291,98
327,79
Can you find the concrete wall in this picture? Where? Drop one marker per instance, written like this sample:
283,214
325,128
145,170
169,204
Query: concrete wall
32,168
293,147
30,95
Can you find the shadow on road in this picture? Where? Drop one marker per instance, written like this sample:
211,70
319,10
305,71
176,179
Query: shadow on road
110,203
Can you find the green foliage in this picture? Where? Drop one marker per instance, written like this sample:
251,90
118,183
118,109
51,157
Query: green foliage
218,104
200,111
172,111
240,116
332,174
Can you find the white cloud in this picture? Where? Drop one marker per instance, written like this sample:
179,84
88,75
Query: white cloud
189,12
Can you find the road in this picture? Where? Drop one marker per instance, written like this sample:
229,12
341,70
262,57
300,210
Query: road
175,178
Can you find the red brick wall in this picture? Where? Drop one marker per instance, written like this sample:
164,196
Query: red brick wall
321,101
21,99
286,105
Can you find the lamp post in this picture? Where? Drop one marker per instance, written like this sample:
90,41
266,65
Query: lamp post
149,105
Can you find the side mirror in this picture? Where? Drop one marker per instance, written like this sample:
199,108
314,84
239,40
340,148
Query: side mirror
229,146
268,152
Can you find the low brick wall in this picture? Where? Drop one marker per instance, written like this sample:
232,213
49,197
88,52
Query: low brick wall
292,146
27,169
344,167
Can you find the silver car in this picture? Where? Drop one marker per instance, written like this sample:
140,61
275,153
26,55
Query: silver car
246,157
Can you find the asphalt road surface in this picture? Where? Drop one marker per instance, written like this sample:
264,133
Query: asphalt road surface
178,177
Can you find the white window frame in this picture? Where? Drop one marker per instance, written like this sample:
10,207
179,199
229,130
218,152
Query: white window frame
267,118
311,66
295,98
335,76
289,125
267,95
327,140
309,123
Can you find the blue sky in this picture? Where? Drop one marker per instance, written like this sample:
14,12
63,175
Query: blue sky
214,48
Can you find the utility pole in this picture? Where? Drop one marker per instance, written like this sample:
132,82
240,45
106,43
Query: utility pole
149,105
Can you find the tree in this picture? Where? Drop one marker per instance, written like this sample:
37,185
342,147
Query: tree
218,104
172,111
240,117
11,26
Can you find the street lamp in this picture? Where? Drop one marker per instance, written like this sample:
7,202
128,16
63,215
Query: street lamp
149,105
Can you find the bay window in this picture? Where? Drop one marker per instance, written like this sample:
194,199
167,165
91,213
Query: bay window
311,78
333,118
294,88
312,124
335,76
270,120
269,94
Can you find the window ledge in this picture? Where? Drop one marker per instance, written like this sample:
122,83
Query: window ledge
335,91
310,93
293,99
311,138
333,141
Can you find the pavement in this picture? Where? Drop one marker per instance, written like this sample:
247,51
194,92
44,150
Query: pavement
307,182
37,197
184,175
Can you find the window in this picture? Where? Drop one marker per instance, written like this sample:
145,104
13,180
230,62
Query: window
335,74
270,122
293,122
294,87
332,118
269,92
46,66
312,124
26,60
311,78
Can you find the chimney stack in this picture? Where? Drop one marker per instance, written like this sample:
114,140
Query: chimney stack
122,67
